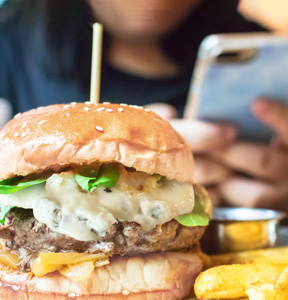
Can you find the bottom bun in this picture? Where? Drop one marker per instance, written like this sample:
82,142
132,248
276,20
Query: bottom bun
168,275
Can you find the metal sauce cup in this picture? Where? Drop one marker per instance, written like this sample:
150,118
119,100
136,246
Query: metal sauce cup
239,229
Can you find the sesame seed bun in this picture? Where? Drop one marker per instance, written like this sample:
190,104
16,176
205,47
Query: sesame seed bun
56,136
82,133
168,276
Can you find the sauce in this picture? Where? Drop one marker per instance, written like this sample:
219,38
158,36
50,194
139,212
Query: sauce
65,208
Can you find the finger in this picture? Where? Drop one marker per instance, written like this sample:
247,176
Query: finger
273,113
268,14
244,192
208,172
257,160
164,110
203,136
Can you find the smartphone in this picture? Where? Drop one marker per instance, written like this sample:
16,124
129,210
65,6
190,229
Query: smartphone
231,71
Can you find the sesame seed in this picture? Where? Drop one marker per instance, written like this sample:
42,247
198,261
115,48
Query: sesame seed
88,103
41,122
147,109
16,134
18,115
136,106
73,103
40,107
15,287
109,110
123,104
1,283
67,114
66,105
72,295
86,108
101,108
24,125
23,134
125,292
99,128
120,109
106,103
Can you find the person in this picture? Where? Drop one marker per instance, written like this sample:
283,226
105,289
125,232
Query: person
149,50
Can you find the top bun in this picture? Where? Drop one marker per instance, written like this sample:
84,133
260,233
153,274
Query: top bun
82,133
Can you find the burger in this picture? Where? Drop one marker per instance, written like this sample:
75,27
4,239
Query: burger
97,202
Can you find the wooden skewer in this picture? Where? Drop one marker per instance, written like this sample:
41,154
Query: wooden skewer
96,63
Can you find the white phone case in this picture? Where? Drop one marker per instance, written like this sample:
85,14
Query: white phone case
231,71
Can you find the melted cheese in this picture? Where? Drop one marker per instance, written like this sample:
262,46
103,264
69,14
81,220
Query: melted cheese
68,263
65,208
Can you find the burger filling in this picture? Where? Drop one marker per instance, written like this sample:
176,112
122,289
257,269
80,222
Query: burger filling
104,210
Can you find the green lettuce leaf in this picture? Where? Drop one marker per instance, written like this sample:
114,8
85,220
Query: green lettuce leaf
4,212
157,176
12,185
197,217
107,175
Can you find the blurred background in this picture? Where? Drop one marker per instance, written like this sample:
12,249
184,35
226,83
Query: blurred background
149,54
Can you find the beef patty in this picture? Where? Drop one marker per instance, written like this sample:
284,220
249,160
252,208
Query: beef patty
22,230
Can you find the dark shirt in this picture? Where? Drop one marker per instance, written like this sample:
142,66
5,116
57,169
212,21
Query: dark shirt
26,84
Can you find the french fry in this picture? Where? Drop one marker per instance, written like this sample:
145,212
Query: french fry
274,255
232,281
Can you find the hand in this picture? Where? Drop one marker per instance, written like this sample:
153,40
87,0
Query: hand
203,138
271,14
267,165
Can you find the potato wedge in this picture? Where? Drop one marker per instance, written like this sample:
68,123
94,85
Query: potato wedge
275,255
261,291
268,291
232,281
281,286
